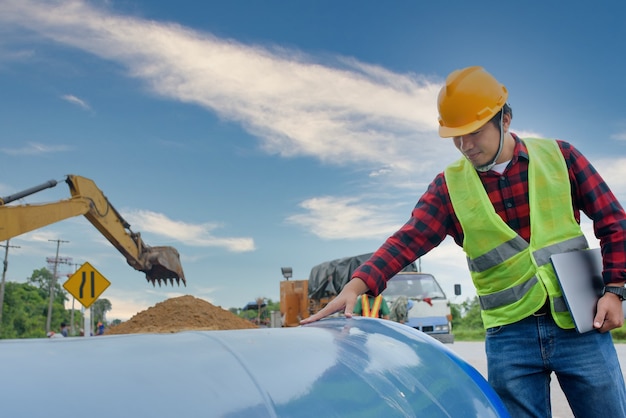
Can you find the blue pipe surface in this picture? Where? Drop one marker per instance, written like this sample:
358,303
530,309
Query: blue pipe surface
337,367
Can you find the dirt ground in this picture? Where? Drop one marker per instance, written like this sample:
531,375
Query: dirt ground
181,314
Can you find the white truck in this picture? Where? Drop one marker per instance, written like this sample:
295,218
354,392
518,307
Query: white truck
428,307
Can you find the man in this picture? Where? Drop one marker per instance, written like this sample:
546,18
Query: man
373,307
400,308
511,203
64,329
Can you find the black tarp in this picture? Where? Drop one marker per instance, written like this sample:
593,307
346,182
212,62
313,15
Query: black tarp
328,278
253,306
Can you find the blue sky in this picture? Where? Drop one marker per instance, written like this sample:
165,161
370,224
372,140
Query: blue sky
253,135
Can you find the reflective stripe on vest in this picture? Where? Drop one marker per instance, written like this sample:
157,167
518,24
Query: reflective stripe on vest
365,306
541,256
517,244
513,277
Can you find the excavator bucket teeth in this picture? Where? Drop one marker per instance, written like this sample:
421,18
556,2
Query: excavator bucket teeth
163,264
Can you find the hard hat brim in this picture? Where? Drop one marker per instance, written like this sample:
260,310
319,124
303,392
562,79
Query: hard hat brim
449,132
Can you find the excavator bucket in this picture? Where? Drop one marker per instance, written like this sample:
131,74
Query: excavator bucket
158,263
163,263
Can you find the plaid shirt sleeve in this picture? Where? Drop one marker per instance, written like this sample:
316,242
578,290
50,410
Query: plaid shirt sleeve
433,217
593,197
430,222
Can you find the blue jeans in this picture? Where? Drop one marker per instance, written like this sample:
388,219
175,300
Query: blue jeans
522,356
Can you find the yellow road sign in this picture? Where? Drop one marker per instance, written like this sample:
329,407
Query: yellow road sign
86,284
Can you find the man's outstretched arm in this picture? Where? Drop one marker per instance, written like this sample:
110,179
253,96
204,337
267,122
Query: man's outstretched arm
346,299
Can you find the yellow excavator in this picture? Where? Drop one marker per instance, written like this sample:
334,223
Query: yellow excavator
160,264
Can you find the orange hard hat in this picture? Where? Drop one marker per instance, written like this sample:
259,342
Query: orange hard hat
469,99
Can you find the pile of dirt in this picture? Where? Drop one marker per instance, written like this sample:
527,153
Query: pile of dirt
181,314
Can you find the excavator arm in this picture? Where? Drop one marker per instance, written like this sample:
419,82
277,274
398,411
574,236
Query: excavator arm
158,263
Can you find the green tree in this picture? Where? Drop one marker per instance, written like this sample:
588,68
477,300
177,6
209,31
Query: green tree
455,310
42,280
467,315
273,306
258,313
99,308
24,312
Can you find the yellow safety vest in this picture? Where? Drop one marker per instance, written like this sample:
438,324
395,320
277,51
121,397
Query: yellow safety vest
513,277
365,306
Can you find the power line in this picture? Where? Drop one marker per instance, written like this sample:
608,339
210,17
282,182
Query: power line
72,327
53,283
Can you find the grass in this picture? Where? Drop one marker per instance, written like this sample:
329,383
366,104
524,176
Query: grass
619,335
469,334
460,334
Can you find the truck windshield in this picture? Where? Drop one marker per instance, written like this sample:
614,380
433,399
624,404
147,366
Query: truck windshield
413,285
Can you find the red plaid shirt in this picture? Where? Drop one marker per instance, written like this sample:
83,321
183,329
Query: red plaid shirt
433,217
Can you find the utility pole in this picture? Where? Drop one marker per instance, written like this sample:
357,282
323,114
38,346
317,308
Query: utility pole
4,273
53,283
72,327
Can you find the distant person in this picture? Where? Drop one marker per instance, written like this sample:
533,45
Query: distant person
65,329
100,329
400,309
511,203
373,307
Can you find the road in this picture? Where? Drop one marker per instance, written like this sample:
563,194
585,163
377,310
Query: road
474,354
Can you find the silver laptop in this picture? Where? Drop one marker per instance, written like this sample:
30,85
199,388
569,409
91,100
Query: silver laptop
580,276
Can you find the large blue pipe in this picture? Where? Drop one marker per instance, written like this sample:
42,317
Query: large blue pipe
359,367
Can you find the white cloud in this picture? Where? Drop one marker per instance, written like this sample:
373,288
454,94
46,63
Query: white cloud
340,112
527,134
75,100
35,148
343,218
17,55
620,136
194,235
613,171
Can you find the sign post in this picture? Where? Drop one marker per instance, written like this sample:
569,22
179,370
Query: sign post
86,285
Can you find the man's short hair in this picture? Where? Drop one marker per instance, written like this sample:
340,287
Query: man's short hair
496,118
